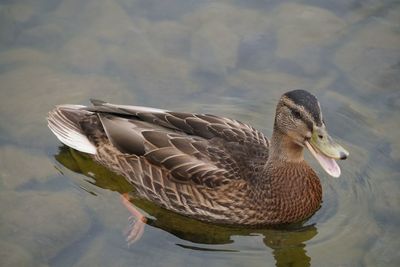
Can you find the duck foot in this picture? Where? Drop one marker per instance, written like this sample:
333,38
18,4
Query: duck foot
137,221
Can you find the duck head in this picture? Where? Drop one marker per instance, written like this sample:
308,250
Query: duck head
299,124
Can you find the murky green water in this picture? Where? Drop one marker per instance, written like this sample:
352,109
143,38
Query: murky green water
232,58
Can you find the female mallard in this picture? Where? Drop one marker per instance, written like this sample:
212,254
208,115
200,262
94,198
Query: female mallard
208,167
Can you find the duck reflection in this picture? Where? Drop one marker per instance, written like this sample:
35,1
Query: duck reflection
287,242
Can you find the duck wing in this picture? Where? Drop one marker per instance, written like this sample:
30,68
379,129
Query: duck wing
189,145
186,148
206,126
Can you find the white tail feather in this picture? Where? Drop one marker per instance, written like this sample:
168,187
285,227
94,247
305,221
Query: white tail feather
137,108
67,132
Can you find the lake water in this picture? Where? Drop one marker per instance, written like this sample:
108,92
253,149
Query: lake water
231,58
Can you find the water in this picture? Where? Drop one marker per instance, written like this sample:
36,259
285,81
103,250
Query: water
232,58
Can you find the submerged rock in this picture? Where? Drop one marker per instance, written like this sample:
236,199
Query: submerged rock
370,59
19,166
301,26
12,255
24,55
218,30
302,31
31,91
42,223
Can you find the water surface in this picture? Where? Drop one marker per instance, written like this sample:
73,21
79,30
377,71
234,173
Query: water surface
231,58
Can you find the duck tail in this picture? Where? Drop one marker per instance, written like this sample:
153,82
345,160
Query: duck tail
64,122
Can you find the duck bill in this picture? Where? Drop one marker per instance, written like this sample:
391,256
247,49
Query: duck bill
326,151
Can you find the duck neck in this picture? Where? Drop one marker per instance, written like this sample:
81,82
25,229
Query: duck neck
284,149
285,162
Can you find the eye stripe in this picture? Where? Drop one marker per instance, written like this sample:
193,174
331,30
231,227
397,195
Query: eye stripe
299,115
309,125
296,113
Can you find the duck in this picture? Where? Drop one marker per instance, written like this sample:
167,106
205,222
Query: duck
208,167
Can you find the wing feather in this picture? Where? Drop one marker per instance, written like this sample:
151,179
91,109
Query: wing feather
203,149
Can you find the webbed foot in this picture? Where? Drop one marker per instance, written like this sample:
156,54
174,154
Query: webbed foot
137,221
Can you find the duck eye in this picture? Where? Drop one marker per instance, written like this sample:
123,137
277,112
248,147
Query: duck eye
296,114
